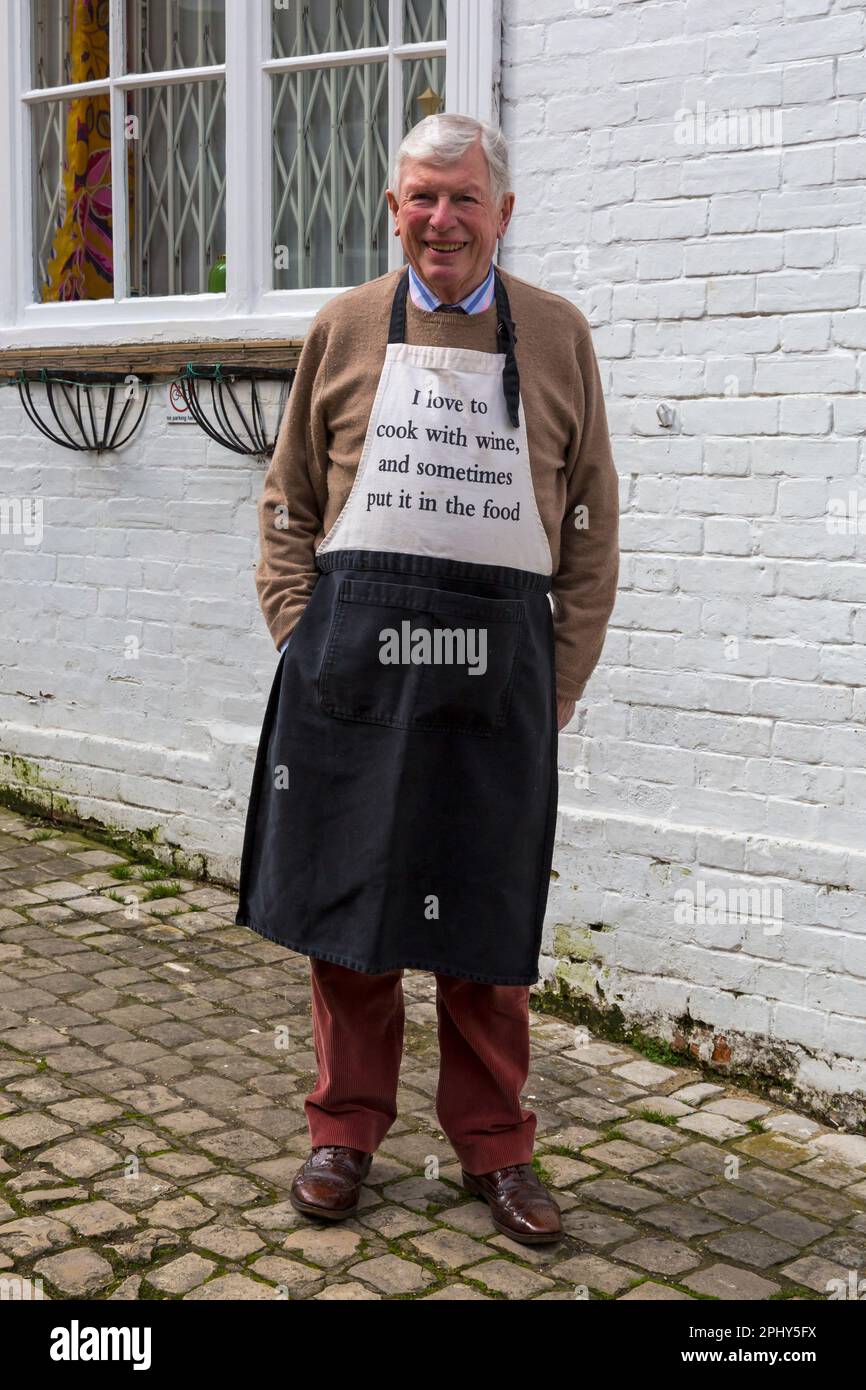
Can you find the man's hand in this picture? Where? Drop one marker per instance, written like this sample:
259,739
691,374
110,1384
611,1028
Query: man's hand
564,711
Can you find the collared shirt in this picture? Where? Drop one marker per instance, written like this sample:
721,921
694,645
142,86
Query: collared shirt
479,299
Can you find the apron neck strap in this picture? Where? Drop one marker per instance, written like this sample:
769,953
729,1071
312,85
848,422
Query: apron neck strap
504,331
397,330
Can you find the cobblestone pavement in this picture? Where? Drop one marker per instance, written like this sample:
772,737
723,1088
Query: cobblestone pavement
152,1080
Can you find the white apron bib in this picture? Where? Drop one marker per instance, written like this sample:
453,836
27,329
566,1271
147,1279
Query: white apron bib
443,472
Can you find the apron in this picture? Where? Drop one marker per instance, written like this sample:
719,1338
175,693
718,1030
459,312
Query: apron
404,795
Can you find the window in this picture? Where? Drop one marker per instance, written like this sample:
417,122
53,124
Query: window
192,161
173,133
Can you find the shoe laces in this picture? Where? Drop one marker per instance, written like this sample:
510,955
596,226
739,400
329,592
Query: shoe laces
336,1152
509,1168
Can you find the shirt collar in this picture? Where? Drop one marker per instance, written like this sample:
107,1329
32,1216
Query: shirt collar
475,302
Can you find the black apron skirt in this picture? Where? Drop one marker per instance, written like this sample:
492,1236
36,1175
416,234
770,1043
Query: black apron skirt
403,815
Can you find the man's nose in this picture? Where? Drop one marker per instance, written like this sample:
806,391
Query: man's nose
443,213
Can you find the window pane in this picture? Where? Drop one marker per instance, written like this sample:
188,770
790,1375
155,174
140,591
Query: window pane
331,214
177,186
164,34
330,143
423,90
423,20
69,41
328,26
72,223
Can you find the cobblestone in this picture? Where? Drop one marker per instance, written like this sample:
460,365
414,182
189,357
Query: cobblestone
152,1120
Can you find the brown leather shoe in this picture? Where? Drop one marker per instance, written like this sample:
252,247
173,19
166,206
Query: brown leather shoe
520,1204
328,1184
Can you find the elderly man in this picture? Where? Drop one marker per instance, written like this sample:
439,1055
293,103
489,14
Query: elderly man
439,538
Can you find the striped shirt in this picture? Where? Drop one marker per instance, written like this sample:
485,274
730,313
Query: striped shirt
479,299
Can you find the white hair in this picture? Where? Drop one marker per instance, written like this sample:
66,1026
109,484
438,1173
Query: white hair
445,138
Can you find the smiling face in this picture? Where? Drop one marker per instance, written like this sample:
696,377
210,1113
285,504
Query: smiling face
448,223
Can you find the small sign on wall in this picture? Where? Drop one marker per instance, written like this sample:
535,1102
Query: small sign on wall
177,412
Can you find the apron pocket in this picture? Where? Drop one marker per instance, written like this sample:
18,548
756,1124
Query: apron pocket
419,658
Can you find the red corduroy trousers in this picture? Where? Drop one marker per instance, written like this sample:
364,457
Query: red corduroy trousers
483,1064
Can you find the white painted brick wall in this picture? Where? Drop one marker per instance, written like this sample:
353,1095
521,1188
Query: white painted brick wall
721,743
136,661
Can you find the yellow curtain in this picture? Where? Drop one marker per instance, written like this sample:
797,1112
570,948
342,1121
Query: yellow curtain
82,260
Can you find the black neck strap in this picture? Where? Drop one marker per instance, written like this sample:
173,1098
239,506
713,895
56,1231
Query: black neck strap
504,331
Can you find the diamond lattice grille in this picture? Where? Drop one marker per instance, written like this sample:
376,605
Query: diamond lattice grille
330,138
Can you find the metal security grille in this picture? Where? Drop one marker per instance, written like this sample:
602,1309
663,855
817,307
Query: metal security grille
49,125
329,26
350,67
178,149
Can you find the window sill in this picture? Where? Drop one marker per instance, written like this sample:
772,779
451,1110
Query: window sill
203,320
159,359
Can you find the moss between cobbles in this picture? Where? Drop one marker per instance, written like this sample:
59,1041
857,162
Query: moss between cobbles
222,1271
28,1271
247,1261
683,1288
161,890
441,1274
444,1276
113,895
15,1202
654,1117
543,1174
796,1291
756,1126
24,789
62,1203
146,1292
563,1150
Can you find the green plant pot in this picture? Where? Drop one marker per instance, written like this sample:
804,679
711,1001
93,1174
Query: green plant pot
216,281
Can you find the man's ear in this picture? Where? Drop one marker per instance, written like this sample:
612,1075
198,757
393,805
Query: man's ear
505,213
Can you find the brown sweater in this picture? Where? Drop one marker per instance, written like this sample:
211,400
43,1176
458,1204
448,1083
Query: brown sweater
322,433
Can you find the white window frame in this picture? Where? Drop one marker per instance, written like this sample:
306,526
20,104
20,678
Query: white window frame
248,309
